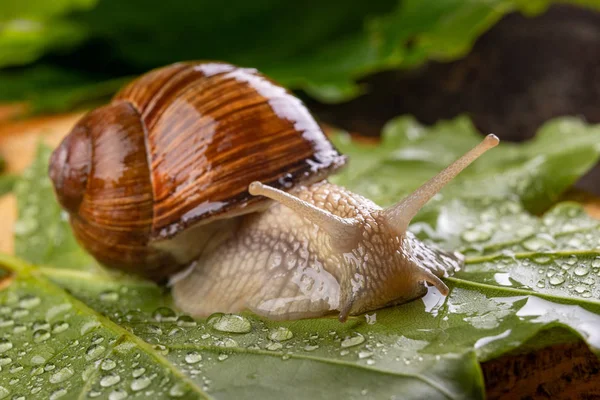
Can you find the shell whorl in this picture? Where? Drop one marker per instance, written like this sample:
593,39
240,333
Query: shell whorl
178,148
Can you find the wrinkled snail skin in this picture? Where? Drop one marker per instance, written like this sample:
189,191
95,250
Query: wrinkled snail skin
321,249
282,266
214,177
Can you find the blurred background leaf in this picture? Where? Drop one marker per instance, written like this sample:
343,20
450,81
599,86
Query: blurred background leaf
58,54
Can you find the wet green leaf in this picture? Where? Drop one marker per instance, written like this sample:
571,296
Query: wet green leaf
71,329
335,44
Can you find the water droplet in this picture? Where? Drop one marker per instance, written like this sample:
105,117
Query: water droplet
186,321
118,394
5,360
164,314
370,362
57,394
37,359
108,364
19,328
542,259
140,383
153,329
230,323
136,373
311,347
580,289
87,372
193,357
20,313
59,327
5,323
49,367
89,326
538,242
5,345
281,334
364,354
344,352
110,380
222,357
274,346
557,280
177,390
581,270
109,296
596,263
474,235
94,351
29,301
226,342
161,349
4,392
16,367
61,375
371,318
97,339
571,260
353,340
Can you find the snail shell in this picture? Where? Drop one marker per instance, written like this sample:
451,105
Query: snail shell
149,179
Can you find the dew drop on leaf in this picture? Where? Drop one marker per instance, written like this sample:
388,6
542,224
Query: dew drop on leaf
108,364
94,351
474,235
5,345
5,360
311,347
58,393
110,380
87,372
186,321
61,375
164,314
16,368
59,327
230,323
281,334
29,301
4,392
136,373
193,357
109,296
177,390
274,346
222,357
353,340
118,394
557,280
364,354
41,335
140,383
581,270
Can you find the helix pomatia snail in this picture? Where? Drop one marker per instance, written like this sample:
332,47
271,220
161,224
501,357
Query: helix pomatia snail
177,171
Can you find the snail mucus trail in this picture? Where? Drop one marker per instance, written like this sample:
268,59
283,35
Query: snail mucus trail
213,176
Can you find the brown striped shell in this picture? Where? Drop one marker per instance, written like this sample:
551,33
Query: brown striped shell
175,150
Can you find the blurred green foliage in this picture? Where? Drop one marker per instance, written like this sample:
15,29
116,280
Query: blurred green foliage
56,54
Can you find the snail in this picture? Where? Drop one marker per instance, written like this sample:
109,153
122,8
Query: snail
215,178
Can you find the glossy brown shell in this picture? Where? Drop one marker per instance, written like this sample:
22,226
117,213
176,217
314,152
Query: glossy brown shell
179,147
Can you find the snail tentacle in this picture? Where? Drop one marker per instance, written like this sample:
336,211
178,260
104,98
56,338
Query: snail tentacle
400,214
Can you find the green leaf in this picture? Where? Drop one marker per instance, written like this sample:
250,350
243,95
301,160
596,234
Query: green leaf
335,43
84,332
42,233
535,172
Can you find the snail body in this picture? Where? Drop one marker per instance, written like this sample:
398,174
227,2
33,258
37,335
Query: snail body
214,177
